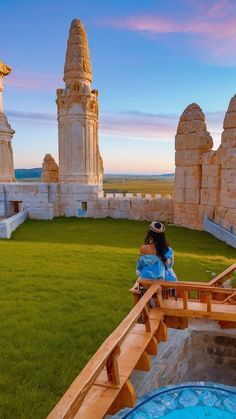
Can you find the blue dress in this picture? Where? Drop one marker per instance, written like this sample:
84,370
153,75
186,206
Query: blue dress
152,267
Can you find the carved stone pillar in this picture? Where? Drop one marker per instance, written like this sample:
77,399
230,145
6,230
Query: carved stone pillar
79,156
6,134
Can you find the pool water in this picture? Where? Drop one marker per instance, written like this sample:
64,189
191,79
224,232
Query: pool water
186,401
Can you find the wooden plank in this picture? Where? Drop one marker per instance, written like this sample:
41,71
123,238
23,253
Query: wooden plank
74,396
199,310
222,275
131,350
176,322
200,287
112,366
97,402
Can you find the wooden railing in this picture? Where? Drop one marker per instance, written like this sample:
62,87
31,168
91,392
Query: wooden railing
223,276
103,386
191,303
109,369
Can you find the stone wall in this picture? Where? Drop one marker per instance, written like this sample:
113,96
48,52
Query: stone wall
161,209
49,200
9,225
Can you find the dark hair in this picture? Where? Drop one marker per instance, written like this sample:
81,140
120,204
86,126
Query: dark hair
159,239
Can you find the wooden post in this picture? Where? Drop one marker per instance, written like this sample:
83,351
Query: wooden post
185,299
159,297
209,297
112,366
147,323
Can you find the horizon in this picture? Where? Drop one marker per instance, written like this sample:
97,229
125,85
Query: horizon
109,173
149,61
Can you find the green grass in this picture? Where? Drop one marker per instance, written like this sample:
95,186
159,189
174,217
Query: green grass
64,288
130,185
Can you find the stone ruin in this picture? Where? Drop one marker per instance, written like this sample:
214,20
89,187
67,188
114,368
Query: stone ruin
49,170
205,184
205,180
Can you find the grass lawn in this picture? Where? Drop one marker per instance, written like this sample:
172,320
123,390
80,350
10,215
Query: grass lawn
64,288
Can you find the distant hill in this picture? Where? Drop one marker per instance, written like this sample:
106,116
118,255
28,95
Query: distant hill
36,173
28,173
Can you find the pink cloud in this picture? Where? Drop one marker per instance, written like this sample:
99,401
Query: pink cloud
211,29
31,81
131,124
138,125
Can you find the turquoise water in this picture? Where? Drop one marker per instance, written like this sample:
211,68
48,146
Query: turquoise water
186,401
199,412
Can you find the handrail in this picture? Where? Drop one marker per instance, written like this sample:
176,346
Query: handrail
193,305
190,286
71,401
222,275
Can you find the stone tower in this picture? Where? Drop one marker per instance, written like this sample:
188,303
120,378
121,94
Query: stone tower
6,134
79,157
191,142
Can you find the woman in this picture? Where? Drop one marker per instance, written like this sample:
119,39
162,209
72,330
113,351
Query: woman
156,256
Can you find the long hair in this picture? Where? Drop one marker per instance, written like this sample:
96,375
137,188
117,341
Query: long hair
161,244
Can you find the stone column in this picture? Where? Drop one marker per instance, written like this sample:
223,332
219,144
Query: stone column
191,141
6,134
79,160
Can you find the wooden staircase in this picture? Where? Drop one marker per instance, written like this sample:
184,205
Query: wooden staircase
103,386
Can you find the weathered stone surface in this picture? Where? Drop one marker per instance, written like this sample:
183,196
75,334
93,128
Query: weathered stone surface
192,196
78,64
6,134
80,161
193,141
49,170
188,157
228,158
228,138
202,352
210,196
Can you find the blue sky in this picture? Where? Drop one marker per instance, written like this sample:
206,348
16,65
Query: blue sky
150,59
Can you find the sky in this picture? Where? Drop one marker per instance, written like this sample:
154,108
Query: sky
150,60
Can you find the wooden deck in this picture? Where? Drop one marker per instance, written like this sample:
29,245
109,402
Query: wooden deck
103,387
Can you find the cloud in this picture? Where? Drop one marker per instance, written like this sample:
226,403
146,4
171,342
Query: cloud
35,117
138,125
32,81
210,29
131,124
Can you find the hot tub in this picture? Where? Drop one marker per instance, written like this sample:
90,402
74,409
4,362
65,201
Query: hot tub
186,401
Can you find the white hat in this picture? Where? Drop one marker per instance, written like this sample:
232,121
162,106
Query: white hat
157,227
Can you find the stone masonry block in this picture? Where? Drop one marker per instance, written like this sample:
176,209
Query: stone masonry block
188,157
192,196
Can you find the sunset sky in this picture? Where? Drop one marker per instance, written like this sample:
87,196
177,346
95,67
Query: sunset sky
150,59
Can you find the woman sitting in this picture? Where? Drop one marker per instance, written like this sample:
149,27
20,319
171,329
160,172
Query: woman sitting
156,258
